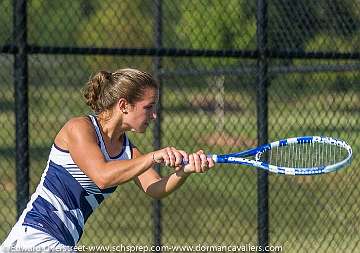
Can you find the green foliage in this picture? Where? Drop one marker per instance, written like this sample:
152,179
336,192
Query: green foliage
90,23
53,23
215,25
212,25
293,23
118,24
6,22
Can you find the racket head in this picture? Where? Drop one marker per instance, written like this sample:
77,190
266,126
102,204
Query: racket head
305,155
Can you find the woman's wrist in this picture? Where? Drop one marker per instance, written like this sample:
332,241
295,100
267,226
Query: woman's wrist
154,160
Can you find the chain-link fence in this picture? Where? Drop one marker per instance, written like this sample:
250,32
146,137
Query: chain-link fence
233,74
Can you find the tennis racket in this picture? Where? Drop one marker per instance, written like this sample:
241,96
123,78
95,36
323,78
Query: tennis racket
306,155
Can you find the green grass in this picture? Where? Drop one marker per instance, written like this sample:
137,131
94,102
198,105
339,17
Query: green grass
317,214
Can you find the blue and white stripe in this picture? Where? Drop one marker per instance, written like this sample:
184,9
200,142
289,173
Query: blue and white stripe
66,196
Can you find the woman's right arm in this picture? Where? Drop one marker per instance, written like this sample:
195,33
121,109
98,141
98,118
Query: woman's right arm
82,144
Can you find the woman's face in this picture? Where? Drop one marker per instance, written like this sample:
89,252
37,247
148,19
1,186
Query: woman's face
141,113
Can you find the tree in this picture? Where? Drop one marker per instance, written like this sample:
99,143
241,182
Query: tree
118,24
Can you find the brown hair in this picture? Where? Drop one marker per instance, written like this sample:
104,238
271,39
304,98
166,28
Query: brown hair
104,89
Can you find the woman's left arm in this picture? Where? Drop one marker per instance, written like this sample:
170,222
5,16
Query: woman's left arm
159,187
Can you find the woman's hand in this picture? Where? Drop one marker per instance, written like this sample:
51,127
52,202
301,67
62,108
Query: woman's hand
170,156
180,160
198,163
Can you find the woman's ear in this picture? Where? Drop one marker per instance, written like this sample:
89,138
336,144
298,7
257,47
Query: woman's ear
123,105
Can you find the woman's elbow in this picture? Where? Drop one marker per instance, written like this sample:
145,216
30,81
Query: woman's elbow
102,184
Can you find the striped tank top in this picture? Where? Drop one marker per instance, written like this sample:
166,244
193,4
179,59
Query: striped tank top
65,196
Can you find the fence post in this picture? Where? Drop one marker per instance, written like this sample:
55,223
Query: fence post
157,127
21,104
262,121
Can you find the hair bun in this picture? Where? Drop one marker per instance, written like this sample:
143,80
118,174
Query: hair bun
93,90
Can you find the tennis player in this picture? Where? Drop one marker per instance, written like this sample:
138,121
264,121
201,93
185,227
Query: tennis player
92,155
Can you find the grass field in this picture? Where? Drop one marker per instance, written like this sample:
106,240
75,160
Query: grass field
307,214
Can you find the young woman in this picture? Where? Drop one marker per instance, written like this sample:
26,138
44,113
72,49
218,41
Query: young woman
92,155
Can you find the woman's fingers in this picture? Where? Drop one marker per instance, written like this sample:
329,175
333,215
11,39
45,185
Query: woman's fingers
171,154
192,163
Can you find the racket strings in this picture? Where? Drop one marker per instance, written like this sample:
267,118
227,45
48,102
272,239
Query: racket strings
308,155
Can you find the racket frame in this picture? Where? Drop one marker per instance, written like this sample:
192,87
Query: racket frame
239,157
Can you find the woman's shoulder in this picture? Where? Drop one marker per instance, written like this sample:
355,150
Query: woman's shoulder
76,127
78,121
81,124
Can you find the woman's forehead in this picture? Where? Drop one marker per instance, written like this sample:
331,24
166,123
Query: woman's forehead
151,96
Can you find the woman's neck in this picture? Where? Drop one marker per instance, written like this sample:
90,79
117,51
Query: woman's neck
111,128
